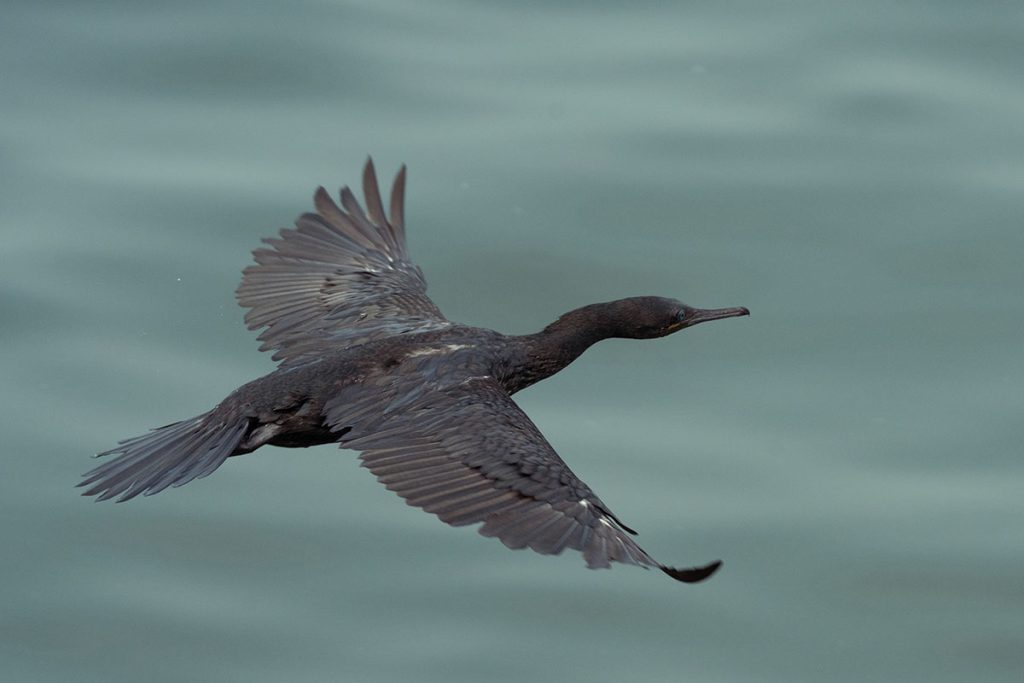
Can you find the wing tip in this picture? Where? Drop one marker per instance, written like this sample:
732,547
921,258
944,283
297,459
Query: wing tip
325,206
397,202
692,574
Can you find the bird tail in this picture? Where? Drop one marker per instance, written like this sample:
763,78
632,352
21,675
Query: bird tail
172,455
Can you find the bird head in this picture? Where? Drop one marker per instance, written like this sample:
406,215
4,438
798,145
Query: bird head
648,317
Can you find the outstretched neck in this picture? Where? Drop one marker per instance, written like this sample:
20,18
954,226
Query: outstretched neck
538,356
577,330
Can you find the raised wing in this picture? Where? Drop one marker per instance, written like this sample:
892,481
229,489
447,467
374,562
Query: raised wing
464,451
340,278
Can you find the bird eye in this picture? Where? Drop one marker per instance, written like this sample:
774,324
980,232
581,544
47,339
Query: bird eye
681,315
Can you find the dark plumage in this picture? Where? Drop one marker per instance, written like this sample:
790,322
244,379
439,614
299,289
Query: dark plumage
369,362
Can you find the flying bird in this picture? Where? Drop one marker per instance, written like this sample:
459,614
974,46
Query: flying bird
368,361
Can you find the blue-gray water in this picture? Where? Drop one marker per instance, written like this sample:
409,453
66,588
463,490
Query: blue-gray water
852,172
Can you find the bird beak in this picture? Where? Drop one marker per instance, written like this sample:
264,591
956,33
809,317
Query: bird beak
703,315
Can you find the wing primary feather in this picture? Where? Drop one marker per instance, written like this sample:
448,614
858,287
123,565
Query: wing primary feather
692,574
371,193
357,218
464,513
618,521
330,211
398,205
596,552
463,493
539,538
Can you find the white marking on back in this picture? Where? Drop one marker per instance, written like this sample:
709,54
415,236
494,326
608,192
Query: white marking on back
434,350
474,379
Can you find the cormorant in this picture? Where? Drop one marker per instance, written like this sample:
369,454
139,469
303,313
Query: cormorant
368,361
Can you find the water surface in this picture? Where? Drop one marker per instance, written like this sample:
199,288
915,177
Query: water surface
852,174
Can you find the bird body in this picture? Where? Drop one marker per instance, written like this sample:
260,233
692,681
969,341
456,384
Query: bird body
369,362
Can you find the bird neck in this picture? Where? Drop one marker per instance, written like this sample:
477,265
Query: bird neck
540,355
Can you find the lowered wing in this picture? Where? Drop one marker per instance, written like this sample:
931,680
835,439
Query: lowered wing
461,449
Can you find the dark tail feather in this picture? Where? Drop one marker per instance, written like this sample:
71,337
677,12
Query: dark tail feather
168,456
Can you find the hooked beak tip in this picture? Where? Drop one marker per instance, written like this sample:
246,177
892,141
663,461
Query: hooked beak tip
706,315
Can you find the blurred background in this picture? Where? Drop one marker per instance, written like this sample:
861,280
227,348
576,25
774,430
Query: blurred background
851,172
